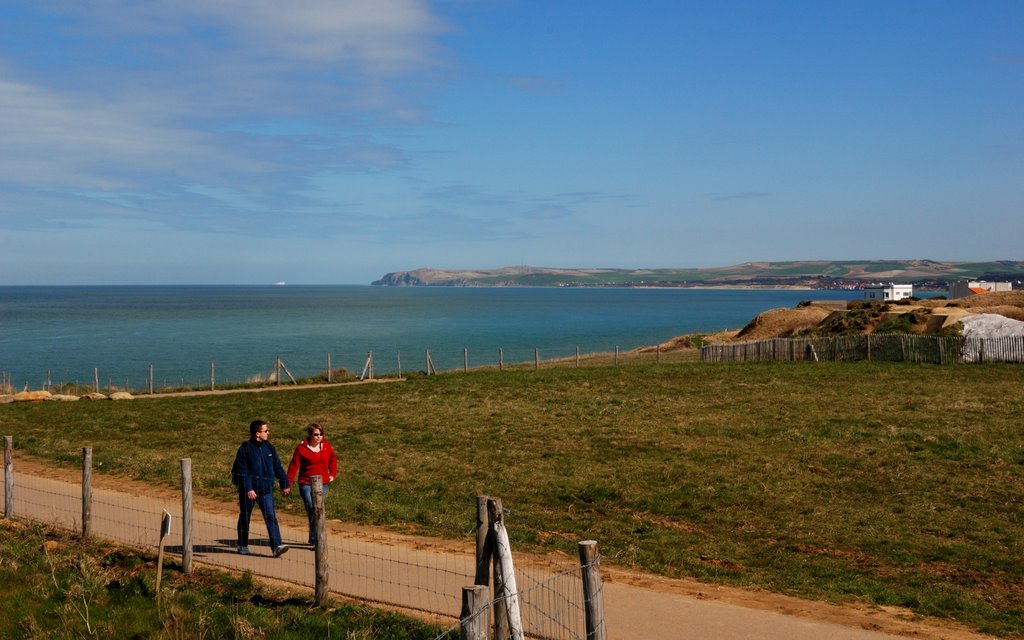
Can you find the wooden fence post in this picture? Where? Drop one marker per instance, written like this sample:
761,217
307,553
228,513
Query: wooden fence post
536,358
96,379
483,546
213,370
150,379
616,355
86,492
186,515
473,619
8,476
494,512
503,566
368,367
577,356
501,359
329,366
593,590
322,570
465,360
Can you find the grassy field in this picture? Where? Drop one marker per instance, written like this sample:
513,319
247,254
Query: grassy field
54,585
877,483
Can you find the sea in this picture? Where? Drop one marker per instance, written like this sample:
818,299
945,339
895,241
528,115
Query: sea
51,335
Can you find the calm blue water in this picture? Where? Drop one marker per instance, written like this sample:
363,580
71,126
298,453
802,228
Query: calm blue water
180,330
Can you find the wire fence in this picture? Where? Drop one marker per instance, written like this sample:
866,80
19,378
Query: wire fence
373,565
878,347
210,376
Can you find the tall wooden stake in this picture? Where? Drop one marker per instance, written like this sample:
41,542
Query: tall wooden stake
593,591
186,515
320,553
86,492
8,476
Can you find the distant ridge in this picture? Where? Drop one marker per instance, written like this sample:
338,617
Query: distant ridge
810,274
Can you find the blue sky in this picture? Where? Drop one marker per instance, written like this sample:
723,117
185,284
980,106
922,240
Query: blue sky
332,141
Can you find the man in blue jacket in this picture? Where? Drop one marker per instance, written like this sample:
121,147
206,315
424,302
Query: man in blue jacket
255,468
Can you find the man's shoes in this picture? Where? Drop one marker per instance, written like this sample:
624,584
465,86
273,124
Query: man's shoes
244,551
280,551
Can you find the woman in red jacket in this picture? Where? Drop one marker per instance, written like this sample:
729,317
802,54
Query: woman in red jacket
314,456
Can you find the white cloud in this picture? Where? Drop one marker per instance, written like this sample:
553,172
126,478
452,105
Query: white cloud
382,36
182,110
55,139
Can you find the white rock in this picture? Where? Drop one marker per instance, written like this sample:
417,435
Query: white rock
991,325
63,397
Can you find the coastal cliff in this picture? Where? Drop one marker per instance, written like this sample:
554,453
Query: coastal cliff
813,274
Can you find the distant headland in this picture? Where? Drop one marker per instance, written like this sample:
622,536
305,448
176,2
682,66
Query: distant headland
803,274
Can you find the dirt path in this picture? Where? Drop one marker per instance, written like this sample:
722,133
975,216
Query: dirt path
425,574
283,387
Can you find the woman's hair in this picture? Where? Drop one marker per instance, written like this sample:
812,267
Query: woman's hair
311,427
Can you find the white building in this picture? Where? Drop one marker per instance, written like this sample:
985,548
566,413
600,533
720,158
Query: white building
888,292
963,288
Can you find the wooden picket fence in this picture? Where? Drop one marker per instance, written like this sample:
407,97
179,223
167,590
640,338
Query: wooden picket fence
891,347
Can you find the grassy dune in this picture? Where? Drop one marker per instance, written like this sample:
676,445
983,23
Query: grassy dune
880,483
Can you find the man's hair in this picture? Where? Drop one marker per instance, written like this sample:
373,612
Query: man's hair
255,426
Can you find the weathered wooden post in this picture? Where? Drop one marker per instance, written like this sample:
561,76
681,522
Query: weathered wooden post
86,492
577,356
322,570
186,515
536,358
328,366
494,511
277,370
213,368
399,364
593,590
150,379
616,355
473,618
368,366
504,567
501,359
483,547
96,379
8,476
465,360
657,354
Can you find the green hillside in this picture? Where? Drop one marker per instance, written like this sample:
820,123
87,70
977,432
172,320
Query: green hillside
820,274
